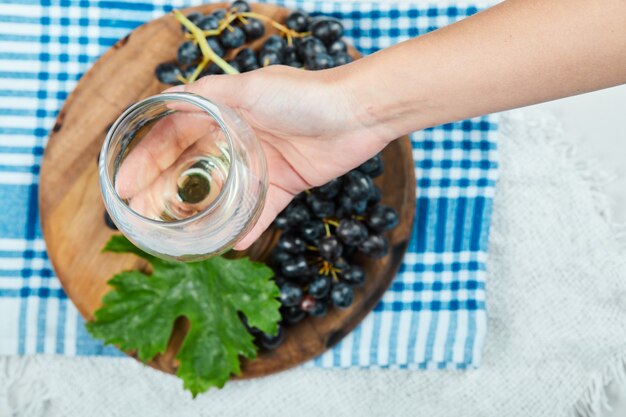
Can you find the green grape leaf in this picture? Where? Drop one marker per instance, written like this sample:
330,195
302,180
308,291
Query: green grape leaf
139,312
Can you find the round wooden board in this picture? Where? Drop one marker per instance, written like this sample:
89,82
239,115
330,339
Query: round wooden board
72,209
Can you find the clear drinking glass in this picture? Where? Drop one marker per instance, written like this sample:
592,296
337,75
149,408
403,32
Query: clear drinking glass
182,177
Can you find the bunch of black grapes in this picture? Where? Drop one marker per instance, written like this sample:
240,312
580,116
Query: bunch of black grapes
321,231
322,48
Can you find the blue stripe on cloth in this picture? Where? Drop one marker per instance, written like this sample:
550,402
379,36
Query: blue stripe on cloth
433,314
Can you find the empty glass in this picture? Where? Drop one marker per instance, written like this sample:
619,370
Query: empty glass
182,177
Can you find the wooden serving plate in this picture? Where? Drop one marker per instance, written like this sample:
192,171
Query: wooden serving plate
72,209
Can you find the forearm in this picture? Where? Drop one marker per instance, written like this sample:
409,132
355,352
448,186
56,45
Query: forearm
517,53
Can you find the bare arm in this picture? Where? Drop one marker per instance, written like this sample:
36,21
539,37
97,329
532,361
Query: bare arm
517,53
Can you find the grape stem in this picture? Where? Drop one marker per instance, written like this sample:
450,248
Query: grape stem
207,53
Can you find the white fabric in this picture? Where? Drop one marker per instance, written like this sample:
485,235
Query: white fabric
557,309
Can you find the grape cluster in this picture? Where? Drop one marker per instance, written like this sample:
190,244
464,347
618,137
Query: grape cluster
313,43
321,231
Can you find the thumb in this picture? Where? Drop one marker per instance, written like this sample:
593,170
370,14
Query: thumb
226,89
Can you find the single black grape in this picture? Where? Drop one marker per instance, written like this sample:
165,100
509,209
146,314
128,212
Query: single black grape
194,17
375,246
216,46
358,186
337,47
290,54
253,29
351,232
219,13
109,221
214,69
330,248
187,53
209,22
295,268
246,58
292,243
327,30
232,37
281,221
315,308
347,206
293,63
270,342
240,6
312,230
269,57
309,47
341,58
319,287
375,197
328,190
297,213
168,73
293,314
298,21
382,218
320,61
274,42
353,275
341,295
373,166
279,257
319,207
290,294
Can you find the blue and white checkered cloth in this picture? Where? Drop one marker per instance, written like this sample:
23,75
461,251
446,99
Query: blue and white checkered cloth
433,316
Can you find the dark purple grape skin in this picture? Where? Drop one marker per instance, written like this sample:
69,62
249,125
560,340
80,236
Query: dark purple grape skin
319,287
240,6
275,43
246,58
209,22
319,308
193,17
290,294
319,207
373,166
298,21
270,342
330,248
292,315
278,257
309,47
357,185
297,213
352,232
295,268
327,30
341,295
382,218
219,13
375,246
328,190
341,58
254,29
167,73
292,243
347,206
374,197
108,221
187,53
353,275
337,47
232,38
320,62
269,57
281,221
216,46
312,230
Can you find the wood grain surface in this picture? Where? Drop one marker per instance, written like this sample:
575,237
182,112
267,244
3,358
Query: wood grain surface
72,209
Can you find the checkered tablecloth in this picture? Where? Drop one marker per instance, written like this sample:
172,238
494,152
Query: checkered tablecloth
433,316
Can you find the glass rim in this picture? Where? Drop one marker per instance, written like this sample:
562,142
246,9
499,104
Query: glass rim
201,102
